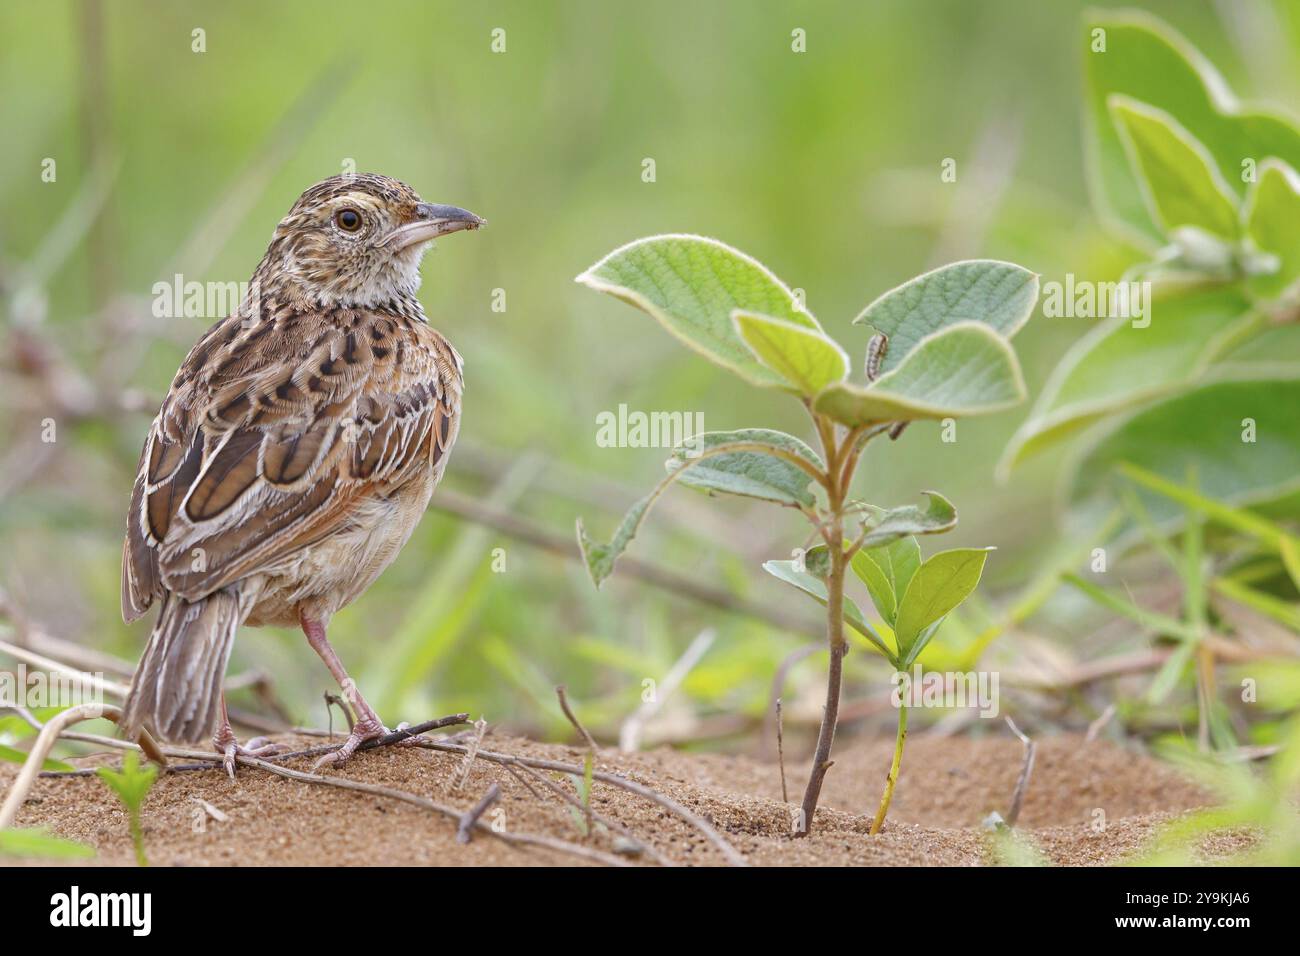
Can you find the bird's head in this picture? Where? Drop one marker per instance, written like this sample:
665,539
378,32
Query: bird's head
357,240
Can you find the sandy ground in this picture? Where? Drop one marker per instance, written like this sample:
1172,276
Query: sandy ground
947,787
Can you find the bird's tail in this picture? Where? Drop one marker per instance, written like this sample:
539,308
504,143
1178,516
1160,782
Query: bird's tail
176,692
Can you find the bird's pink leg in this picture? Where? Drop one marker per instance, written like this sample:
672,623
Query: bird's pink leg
368,725
226,744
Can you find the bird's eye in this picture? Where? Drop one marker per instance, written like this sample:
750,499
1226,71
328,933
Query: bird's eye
349,220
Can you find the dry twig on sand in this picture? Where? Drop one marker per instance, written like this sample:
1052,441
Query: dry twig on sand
56,729
469,819
780,750
1022,783
731,854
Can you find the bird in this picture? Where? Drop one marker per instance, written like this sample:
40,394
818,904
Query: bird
293,455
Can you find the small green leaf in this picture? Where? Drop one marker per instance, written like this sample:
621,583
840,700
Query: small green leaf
890,524
806,358
942,582
1000,295
791,573
769,476
40,843
756,480
1179,178
19,756
886,571
967,369
691,285
600,558
1272,215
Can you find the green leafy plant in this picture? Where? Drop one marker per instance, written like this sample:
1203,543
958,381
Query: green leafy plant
132,784
1205,189
941,350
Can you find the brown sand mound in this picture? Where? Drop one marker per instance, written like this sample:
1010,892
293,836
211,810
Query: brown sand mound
947,787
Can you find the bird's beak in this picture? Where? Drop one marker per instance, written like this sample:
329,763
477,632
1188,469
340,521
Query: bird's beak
430,222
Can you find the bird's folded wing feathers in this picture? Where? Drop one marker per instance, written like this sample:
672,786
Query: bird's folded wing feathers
270,436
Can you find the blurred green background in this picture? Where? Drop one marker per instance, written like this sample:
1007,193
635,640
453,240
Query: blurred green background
825,165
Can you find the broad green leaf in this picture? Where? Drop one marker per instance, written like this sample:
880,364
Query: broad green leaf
20,756
1178,176
1207,429
691,285
40,843
1143,58
599,558
1118,365
804,357
886,571
754,474
966,369
1272,216
889,524
999,294
791,573
941,583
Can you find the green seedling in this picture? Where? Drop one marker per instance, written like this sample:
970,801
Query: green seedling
582,784
132,784
941,351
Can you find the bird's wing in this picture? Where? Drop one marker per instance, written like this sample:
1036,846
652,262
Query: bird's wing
271,433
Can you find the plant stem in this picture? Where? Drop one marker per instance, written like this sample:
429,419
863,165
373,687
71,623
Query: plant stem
892,779
137,837
830,715
834,535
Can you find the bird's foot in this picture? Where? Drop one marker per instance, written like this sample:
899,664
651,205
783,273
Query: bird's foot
413,741
224,743
367,728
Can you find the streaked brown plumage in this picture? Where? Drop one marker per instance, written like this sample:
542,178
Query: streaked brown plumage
295,452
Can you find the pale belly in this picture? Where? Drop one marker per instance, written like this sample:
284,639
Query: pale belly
329,575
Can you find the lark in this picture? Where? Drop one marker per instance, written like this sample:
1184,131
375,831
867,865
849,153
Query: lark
294,454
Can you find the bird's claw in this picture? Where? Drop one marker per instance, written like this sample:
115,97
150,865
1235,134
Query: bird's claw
362,731
410,741
230,748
